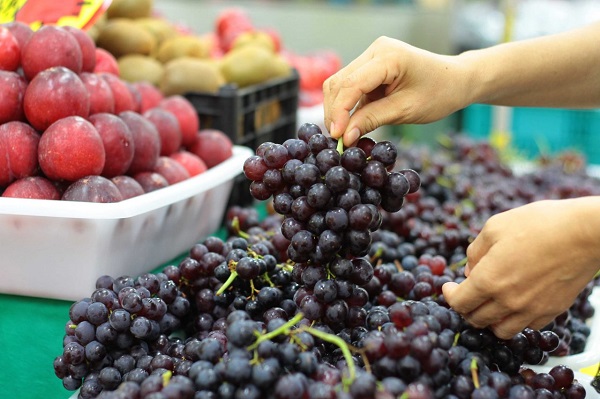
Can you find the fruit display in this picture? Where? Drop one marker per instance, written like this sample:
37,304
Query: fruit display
177,60
149,48
69,119
335,292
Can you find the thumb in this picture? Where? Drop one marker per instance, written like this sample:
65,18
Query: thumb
368,117
448,289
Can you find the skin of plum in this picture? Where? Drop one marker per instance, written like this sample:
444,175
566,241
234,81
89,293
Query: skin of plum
35,187
12,87
151,95
123,97
53,94
70,149
186,114
171,170
168,129
101,96
118,143
151,181
50,46
192,162
92,189
18,151
213,146
146,142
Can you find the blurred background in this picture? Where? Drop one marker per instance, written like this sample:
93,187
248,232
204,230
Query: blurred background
347,27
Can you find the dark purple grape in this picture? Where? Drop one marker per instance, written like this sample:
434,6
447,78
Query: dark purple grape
375,175
318,196
275,156
272,179
297,149
413,178
337,179
254,167
259,190
306,175
307,130
337,219
327,159
353,159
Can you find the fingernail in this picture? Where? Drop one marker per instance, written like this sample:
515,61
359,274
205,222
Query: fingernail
352,136
332,131
467,270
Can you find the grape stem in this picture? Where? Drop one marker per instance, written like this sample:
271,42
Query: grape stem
235,225
166,377
458,264
283,329
227,283
474,373
340,146
340,343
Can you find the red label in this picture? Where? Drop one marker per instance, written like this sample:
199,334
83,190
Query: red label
36,13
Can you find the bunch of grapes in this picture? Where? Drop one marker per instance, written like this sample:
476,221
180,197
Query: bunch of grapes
330,200
330,197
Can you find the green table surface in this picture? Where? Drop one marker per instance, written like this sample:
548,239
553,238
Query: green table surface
31,334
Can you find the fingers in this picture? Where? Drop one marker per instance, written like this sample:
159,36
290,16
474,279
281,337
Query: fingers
337,123
344,90
464,297
489,313
511,325
475,251
540,322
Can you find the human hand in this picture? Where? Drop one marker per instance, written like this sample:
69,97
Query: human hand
392,83
528,265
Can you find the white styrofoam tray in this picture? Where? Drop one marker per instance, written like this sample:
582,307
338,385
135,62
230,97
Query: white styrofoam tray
591,354
57,249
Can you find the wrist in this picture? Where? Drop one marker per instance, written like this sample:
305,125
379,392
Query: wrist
476,78
587,210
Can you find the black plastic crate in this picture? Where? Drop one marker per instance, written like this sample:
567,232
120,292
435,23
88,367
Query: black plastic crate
251,116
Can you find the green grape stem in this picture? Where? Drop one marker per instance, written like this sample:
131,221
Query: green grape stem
340,146
474,373
227,283
283,329
456,337
454,266
235,225
340,343
166,377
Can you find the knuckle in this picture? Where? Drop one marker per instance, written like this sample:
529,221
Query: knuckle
371,122
503,332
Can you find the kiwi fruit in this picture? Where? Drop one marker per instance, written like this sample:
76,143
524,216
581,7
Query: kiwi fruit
188,74
183,46
140,68
130,9
248,65
122,36
160,28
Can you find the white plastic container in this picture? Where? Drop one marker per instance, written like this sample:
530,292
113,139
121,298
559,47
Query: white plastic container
57,249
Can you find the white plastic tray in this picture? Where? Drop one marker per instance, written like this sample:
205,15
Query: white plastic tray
57,249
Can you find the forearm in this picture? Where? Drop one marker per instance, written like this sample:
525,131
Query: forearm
587,221
561,70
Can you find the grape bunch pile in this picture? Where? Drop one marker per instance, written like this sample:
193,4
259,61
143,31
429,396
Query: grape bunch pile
258,315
